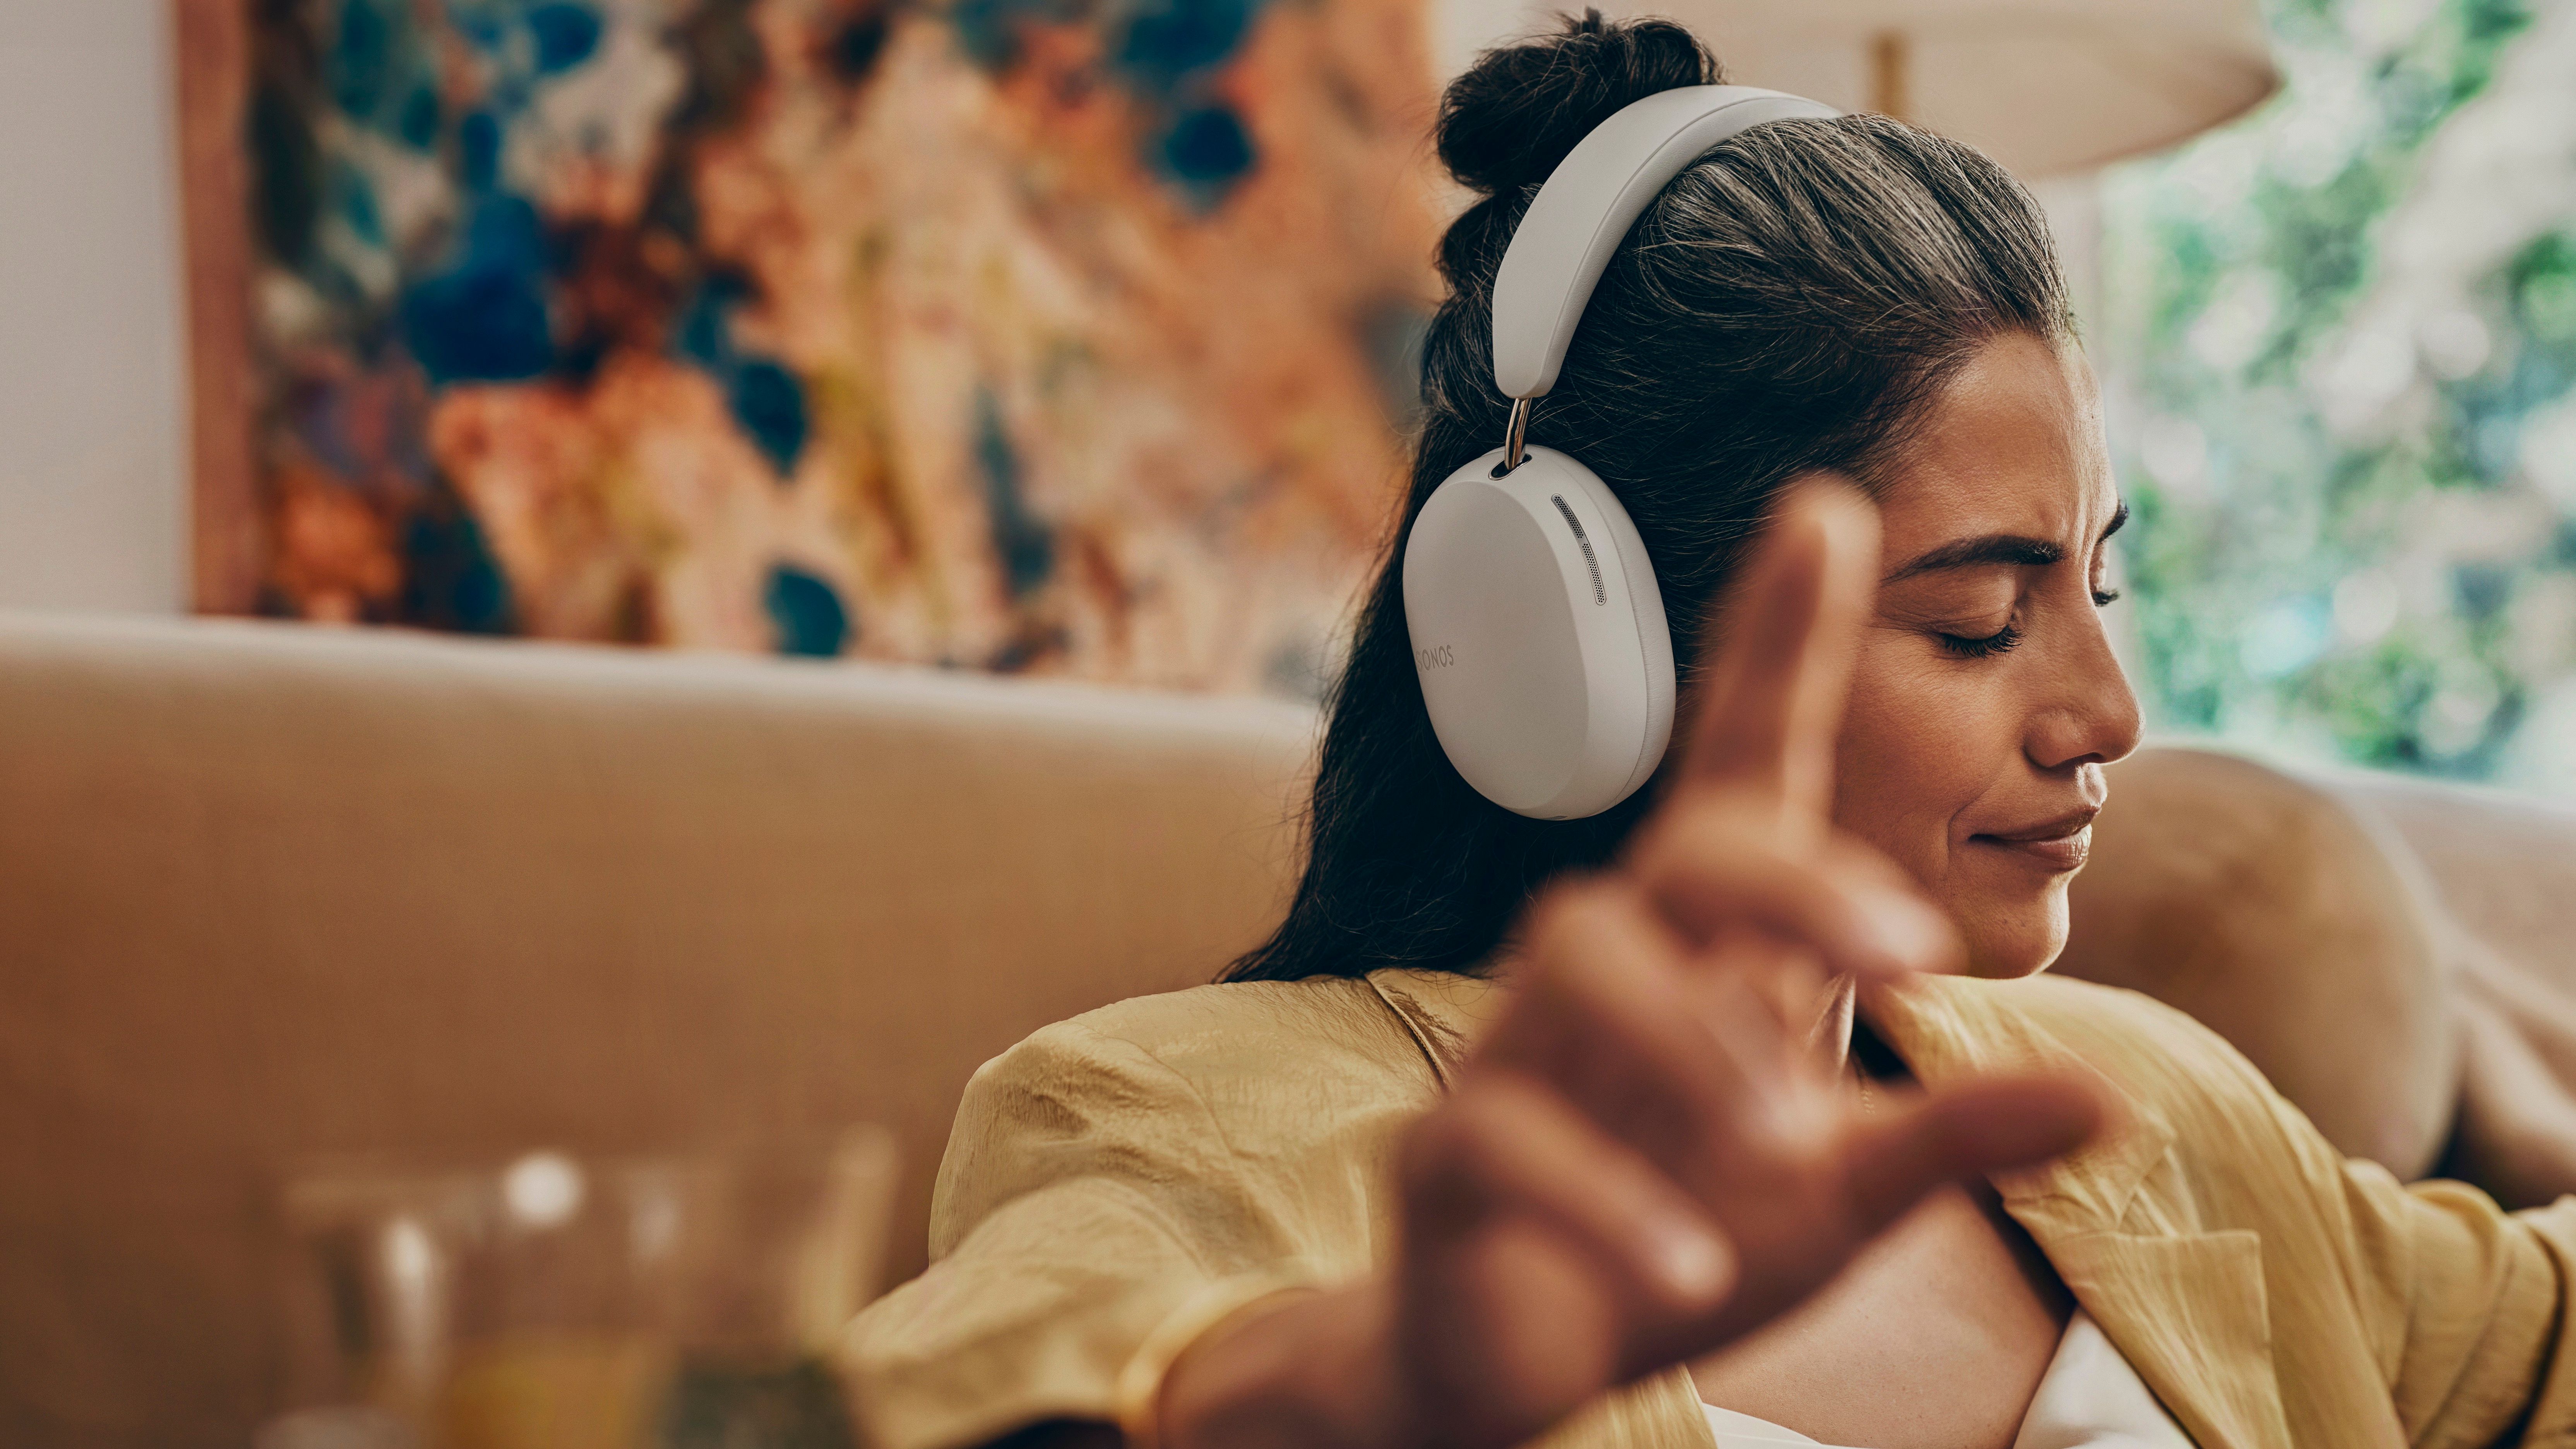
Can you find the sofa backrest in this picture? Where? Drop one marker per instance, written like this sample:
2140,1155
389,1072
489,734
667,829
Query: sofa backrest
269,893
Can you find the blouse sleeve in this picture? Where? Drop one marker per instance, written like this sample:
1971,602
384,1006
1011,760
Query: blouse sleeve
2479,1298
1088,1201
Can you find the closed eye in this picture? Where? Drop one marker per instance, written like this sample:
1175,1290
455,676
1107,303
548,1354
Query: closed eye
1975,647
2105,598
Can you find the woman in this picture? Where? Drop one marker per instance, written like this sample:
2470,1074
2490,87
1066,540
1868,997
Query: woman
1730,1114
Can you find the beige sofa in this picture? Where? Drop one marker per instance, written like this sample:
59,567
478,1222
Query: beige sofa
269,892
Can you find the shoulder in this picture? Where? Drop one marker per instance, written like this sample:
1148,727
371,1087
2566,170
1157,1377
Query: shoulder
1958,1022
1221,1068
2197,1142
2152,1052
2156,1059
1338,1026
1234,1092
2128,1032
2235,1152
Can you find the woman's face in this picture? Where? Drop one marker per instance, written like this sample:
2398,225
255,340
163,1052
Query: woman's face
1985,700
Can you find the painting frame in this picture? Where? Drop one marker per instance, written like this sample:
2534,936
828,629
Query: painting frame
212,60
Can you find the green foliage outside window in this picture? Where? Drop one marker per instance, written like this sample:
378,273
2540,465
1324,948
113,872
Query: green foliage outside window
2339,339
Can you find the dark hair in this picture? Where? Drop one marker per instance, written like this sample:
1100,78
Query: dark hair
1788,303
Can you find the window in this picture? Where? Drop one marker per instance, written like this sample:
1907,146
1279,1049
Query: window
2338,341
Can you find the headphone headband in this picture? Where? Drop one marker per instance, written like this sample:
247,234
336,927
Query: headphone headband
1591,199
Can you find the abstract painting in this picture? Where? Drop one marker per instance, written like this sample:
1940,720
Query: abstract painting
1058,336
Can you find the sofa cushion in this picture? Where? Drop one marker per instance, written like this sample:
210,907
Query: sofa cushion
2505,868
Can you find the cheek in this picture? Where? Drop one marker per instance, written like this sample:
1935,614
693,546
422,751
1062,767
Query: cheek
1920,742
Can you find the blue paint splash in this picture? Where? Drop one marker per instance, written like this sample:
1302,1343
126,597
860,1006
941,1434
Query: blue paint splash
353,196
808,612
1208,150
478,152
452,581
769,405
417,123
1020,537
381,74
854,48
566,35
1171,43
1167,55
484,318
480,24
766,399
703,335
359,67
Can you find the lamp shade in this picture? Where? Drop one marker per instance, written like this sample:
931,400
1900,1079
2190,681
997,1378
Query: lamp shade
2043,86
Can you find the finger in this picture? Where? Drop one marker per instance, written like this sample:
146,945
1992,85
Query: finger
1505,1144
1970,1130
1783,643
1709,869
1609,1014
1757,998
1682,1058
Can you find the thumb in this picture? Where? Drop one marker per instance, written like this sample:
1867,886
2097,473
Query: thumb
1782,650
1986,1125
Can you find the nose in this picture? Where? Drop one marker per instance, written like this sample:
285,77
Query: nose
2092,716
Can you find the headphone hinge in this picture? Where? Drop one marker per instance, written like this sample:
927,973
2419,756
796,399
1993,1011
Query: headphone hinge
1515,436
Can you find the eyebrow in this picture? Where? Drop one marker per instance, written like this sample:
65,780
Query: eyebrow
2008,550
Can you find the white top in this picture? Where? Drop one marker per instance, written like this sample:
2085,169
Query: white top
2090,1398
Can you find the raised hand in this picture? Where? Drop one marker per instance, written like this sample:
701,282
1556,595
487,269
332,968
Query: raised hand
1655,1152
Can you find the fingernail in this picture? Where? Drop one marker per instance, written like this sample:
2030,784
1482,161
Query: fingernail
1691,1261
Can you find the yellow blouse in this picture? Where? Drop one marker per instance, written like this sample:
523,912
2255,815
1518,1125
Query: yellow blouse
1117,1181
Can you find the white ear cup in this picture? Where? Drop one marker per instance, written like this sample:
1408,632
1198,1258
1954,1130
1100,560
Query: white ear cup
1539,636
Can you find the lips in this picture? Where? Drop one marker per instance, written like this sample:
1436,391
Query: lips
2058,845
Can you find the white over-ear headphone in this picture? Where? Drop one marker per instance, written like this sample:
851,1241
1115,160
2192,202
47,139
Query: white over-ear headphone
1538,630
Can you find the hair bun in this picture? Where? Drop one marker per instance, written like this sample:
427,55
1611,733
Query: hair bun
1520,108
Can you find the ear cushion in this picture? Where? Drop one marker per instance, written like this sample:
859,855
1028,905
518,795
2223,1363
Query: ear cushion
1539,636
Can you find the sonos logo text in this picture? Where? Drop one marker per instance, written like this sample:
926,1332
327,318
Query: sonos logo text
1438,656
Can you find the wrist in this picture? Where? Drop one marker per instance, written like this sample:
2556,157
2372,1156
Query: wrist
1305,1370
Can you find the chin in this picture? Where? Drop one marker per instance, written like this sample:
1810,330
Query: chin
2012,938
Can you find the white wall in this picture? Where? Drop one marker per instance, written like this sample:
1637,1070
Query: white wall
93,495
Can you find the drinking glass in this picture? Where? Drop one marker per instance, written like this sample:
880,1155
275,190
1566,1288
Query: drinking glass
554,1301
